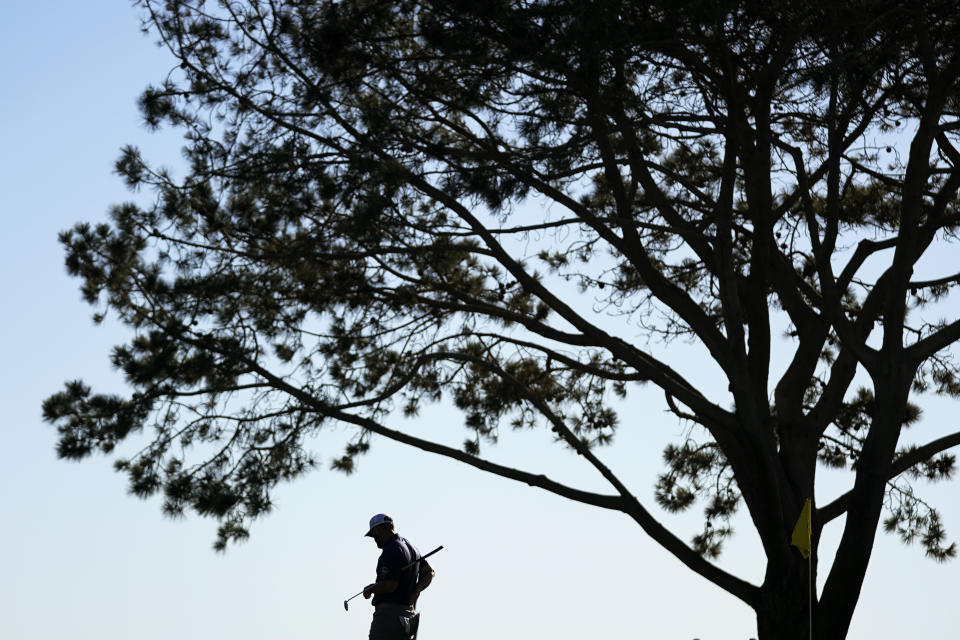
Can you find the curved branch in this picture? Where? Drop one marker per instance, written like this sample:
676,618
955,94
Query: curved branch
624,502
953,279
683,415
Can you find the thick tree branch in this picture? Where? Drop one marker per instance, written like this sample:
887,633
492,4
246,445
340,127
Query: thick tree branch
624,502
933,343
839,506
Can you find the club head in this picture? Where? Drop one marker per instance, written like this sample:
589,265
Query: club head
345,606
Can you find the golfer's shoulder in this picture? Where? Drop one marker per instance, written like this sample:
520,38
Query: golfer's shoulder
395,546
404,546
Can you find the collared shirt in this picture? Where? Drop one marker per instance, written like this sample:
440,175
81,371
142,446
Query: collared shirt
398,553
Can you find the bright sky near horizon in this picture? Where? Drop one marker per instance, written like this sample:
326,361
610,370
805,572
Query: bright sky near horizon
80,559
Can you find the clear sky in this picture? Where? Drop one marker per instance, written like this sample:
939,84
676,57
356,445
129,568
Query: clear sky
80,559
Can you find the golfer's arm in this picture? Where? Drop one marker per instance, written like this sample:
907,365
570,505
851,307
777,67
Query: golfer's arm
383,586
424,579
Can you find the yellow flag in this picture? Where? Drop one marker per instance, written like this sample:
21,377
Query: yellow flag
802,531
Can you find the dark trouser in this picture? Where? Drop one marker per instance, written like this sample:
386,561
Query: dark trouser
394,622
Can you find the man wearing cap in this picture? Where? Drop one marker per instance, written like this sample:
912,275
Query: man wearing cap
396,590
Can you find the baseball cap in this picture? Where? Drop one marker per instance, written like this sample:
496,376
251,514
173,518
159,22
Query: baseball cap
377,520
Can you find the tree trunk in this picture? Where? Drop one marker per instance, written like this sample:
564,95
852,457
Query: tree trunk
841,590
783,611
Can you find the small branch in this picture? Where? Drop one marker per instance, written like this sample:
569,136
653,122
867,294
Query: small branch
683,415
933,283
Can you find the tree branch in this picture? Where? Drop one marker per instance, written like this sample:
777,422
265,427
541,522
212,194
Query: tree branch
933,343
839,506
625,502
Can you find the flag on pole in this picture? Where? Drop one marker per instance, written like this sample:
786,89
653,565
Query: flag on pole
802,531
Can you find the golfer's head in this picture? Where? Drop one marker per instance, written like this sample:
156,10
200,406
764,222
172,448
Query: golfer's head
381,528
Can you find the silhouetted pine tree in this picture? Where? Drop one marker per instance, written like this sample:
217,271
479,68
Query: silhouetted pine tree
350,243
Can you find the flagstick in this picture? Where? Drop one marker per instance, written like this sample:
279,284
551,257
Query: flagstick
810,572
806,550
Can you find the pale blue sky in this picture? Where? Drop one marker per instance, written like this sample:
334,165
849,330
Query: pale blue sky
80,559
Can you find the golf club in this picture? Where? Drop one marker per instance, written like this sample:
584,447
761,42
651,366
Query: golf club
405,567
